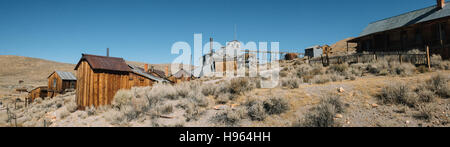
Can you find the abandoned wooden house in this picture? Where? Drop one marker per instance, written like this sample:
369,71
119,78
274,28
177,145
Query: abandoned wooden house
100,77
181,76
140,78
157,73
38,92
59,82
413,30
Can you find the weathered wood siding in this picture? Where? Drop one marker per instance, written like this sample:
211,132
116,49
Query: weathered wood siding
36,93
61,85
96,88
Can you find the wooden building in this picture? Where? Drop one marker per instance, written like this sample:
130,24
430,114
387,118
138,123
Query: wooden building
59,82
413,30
100,77
181,76
38,92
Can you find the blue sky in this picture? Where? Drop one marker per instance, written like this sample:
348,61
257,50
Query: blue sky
144,30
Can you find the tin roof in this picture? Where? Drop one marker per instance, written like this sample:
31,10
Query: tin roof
104,63
140,71
406,19
65,75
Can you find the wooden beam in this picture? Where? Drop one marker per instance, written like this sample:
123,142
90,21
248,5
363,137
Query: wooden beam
428,57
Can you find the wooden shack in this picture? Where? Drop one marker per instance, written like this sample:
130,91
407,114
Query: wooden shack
181,76
413,30
38,92
59,82
100,77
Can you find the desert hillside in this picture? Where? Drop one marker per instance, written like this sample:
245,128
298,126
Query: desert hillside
340,47
31,70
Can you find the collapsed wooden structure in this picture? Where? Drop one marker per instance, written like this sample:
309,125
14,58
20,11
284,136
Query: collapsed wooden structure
38,92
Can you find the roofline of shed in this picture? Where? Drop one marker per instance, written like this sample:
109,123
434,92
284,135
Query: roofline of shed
354,40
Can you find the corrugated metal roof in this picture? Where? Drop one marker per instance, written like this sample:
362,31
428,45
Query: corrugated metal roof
140,71
105,63
414,17
66,75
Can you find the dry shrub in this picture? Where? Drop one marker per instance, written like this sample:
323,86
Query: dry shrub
422,69
321,79
223,98
240,85
425,95
427,111
276,105
403,69
255,110
122,98
323,114
398,93
63,114
439,85
166,109
228,117
319,116
339,68
292,82
334,100
192,110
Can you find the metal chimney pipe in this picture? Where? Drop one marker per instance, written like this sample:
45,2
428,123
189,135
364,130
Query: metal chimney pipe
107,52
211,45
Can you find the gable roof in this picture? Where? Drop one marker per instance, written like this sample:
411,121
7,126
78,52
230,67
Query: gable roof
182,73
64,75
406,19
140,71
104,63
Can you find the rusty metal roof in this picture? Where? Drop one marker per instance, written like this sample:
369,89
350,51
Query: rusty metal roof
160,73
104,63
140,71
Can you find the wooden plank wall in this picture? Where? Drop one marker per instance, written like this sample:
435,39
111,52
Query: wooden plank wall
99,88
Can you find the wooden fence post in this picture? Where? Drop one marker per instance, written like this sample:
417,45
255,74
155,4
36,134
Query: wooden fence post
428,58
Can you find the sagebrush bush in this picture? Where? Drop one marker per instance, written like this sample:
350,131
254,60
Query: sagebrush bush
334,100
439,85
276,105
228,117
398,93
291,83
255,110
192,110
63,114
339,68
425,95
166,109
240,85
319,116
321,79
122,98
426,111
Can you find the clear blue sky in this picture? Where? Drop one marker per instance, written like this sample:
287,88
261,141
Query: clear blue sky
139,30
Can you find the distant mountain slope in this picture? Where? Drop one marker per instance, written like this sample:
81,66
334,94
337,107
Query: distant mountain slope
34,71
340,47
30,70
